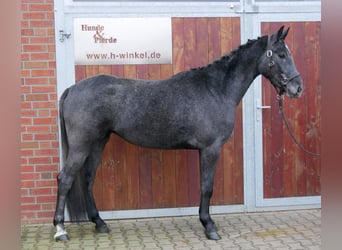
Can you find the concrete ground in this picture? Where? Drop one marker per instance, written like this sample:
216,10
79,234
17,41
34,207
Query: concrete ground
298,229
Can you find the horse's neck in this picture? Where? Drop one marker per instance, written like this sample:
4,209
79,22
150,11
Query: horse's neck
241,76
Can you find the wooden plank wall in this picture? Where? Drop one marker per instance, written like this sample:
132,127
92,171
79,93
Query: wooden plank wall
131,177
288,171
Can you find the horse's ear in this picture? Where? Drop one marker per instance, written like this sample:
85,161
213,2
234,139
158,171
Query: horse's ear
281,34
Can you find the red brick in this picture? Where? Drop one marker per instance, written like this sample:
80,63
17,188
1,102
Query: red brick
38,121
26,152
45,144
37,80
47,214
24,24
25,73
56,159
54,113
44,105
44,113
34,15
27,200
23,161
44,40
53,81
29,176
45,176
40,7
46,183
33,1
25,89
42,56
46,168
44,72
24,7
30,207
23,129
39,160
25,215
27,32
40,32
25,56
51,32
41,191
24,192
27,137
50,15
27,183
26,105
52,64
53,97
31,144
26,121
48,207
28,113
44,89
51,48
24,40
34,48
27,169
41,23
36,97
46,152
43,199
35,64
41,129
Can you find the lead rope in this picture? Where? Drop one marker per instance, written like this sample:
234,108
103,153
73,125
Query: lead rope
280,101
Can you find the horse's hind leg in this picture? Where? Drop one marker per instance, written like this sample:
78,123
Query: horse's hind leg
91,167
208,160
65,180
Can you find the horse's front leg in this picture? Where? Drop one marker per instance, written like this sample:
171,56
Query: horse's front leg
208,160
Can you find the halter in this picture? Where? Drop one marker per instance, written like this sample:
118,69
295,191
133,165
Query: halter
284,79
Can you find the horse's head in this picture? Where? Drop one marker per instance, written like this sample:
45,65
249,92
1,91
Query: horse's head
278,66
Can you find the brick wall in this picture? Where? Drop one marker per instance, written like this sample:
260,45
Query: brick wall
39,129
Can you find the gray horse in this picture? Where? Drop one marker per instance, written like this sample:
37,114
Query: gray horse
194,109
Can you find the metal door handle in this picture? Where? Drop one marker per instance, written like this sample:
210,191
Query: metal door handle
263,107
260,107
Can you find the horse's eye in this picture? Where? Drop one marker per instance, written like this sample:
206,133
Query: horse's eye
282,55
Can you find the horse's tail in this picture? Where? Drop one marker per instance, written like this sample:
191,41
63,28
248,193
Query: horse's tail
76,197
64,137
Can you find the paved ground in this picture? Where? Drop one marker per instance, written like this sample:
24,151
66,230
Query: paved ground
269,230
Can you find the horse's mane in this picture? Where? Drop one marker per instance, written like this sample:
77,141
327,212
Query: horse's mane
236,53
228,58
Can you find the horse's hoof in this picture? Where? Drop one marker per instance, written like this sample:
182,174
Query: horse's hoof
61,234
213,235
63,238
102,229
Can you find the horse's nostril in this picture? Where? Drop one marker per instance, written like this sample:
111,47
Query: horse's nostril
299,90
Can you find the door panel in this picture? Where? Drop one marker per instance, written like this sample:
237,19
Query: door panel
288,171
132,177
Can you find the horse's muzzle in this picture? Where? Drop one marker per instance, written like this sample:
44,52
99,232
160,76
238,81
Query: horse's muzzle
294,88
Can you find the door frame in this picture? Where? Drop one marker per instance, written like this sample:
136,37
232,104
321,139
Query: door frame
253,134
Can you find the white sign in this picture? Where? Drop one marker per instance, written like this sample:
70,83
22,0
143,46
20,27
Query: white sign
122,41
